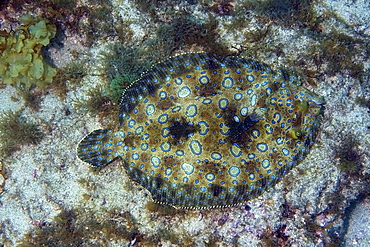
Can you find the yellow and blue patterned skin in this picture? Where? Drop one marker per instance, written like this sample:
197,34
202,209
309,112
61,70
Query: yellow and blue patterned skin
201,132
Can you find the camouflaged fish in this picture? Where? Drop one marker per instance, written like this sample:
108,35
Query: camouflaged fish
201,132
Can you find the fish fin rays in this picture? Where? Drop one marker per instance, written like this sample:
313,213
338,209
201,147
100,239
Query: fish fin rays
98,148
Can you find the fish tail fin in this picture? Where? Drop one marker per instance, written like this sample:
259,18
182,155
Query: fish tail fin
100,147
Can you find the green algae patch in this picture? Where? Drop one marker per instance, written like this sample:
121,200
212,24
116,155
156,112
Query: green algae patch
21,61
16,131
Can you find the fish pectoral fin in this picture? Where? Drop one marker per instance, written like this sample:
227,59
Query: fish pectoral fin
98,148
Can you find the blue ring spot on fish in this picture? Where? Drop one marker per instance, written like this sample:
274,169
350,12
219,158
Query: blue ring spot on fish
244,111
223,103
166,146
203,127
138,130
135,156
184,92
150,109
285,151
203,80
163,118
277,116
195,147
250,78
210,176
280,141
168,171
188,169
155,161
262,147
234,171
165,132
176,109
266,163
178,81
235,150
144,146
273,101
269,129
191,110
228,82
251,156
254,100
224,130
238,96
207,101
216,156
162,95
131,123
255,133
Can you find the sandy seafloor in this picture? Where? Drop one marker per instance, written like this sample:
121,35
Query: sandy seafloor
48,190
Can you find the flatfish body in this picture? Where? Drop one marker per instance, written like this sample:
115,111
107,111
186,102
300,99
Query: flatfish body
201,132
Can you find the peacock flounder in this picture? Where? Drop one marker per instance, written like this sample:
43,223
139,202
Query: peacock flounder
201,132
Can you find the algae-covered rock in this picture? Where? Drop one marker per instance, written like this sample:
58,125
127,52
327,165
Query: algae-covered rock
2,178
21,61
